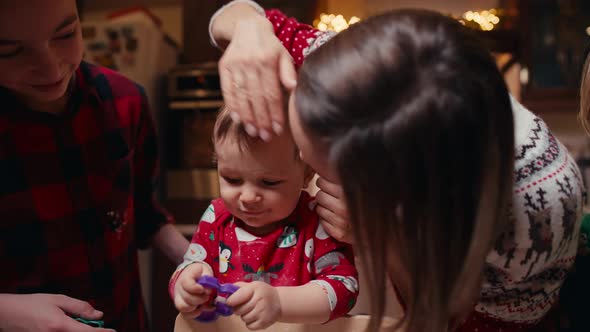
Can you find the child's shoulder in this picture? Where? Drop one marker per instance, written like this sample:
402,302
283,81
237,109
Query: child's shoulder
215,213
109,83
305,211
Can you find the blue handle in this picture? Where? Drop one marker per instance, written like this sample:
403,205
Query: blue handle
93,323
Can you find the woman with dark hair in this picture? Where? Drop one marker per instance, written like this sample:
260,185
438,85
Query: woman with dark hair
453,191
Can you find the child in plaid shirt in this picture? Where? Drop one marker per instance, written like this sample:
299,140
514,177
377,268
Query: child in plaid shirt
78,160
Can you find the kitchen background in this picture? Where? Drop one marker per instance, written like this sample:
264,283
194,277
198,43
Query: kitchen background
164,45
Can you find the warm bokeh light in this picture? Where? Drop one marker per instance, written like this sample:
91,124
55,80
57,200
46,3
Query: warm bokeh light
331,22
486,19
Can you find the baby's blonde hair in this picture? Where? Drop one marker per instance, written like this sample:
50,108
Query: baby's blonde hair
226,128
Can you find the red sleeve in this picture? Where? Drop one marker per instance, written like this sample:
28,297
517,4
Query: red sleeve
298,38
204,246
334,270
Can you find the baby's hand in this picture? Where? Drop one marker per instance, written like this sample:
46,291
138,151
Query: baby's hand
257,303
188,294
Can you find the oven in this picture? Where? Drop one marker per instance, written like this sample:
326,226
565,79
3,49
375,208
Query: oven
194,99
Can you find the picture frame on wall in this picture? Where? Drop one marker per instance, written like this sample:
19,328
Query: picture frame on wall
555,36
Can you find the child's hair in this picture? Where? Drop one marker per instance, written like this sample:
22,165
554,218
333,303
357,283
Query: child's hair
226,128
416,118
585,96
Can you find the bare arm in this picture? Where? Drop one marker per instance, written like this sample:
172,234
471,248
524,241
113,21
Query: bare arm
254,57
242,14
260,305
171,242
304,304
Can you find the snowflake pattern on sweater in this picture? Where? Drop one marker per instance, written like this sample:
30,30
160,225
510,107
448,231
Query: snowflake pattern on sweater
533,255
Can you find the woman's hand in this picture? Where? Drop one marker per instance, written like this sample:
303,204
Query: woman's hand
332,210
46,312
253,70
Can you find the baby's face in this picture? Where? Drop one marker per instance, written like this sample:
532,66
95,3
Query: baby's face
261,184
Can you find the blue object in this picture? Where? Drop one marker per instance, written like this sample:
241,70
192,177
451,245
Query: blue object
93,323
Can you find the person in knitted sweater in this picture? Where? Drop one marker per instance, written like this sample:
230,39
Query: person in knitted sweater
460,194
576,289
264,236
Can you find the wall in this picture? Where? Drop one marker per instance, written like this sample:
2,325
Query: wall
364,8
455,7
171,16
563,123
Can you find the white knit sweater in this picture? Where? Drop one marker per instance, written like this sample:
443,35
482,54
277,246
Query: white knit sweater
532,256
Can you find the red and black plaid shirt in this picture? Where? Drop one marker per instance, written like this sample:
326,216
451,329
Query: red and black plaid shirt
76,196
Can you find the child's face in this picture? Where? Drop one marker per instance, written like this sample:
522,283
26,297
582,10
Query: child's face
261,185
40,47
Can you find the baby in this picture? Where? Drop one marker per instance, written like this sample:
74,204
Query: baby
264,236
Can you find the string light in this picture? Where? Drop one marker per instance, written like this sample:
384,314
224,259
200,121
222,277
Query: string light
486,19
334,22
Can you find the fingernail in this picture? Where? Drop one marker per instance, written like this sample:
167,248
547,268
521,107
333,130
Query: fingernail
277,128
97,312
235,117
251,130
265,135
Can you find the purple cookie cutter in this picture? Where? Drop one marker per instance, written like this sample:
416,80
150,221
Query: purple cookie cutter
220,292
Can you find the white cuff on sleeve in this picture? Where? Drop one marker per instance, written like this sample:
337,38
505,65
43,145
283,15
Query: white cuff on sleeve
256,6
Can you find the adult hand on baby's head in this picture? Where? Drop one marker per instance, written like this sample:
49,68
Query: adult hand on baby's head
252,69
46,312
331,209
188,294
257,303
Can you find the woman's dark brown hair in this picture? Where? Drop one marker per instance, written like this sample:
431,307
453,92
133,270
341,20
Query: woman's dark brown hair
417,121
